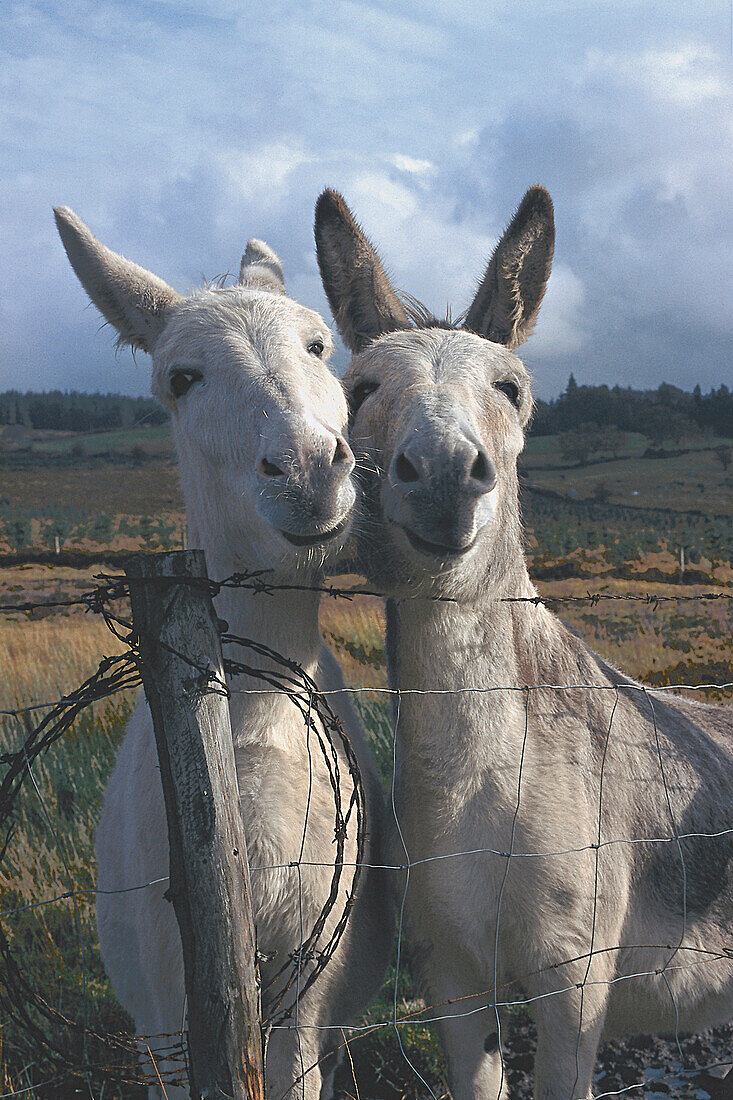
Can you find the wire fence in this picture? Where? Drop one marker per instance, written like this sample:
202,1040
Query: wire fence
70,1052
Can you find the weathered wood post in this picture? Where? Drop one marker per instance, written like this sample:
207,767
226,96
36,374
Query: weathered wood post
209,876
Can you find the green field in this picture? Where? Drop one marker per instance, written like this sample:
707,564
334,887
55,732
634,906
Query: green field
153,440
693,481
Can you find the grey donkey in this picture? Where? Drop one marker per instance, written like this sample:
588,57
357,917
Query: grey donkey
267,475
562,840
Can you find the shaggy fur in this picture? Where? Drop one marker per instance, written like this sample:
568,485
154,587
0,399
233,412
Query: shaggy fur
603,930
262,459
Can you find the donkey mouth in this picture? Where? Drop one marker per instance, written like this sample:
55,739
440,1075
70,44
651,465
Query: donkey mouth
437,549
314,540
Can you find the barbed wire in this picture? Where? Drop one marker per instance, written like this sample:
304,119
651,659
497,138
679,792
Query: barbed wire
121,672
113,587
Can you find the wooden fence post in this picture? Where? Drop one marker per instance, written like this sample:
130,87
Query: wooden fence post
209,875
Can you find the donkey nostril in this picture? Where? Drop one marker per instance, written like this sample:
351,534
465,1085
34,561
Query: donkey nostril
483,470
479,468
404,469
342,452
269,469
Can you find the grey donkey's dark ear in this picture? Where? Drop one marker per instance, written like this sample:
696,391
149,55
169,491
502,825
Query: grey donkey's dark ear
508,300
133,300
361,297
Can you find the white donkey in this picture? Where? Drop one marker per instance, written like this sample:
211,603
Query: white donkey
258,421
603,929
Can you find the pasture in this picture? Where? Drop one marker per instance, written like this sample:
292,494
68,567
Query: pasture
621,545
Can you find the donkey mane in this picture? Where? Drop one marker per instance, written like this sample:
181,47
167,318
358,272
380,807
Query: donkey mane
422,316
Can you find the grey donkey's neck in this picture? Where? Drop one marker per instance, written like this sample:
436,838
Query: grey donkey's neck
501,639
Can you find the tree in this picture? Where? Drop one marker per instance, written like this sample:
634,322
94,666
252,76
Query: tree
667,423
724,453
576,444
611,440
101,529
18,533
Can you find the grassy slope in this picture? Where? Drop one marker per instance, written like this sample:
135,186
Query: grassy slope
694,481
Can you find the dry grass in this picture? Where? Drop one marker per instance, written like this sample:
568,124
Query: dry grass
43,659
51,846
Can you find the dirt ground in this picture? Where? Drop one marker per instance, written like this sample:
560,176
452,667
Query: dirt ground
653,1064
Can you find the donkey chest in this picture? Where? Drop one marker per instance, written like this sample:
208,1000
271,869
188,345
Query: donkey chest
449,840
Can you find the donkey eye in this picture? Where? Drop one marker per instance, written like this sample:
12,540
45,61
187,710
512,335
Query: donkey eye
182,380
509,389
359,394
316,348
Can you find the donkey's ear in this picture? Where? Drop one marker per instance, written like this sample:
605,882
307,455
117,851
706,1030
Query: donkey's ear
133,300
362,300
261,267
508,300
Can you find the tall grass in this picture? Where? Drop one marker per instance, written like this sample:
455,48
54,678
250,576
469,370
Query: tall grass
51,848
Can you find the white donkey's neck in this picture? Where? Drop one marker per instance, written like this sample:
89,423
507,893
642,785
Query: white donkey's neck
284,621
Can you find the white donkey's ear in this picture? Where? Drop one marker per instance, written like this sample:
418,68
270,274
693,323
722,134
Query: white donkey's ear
508,300
261,267
133,300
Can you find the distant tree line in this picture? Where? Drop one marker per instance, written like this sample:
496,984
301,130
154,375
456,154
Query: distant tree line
78,412
662,414
667,413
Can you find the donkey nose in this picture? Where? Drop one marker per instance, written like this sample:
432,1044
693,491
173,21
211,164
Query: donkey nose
326,453
267,468
469,467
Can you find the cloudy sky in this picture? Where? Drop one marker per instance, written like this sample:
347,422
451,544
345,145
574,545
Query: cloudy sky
179,128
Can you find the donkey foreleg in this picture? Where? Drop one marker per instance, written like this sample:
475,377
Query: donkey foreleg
569,1027
292,1063
469,1035
471,1045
